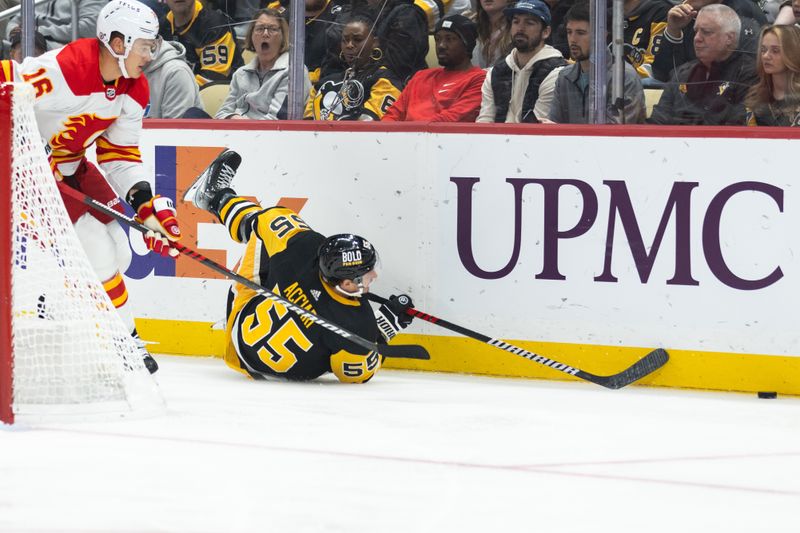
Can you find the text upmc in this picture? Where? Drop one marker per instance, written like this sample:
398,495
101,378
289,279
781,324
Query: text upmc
678,206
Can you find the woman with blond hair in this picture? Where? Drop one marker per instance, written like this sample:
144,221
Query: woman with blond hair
494,36
775,99
260,88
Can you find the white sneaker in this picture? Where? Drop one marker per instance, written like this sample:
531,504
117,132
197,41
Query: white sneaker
217,176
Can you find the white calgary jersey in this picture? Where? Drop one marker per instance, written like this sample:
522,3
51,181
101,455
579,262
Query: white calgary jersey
74,108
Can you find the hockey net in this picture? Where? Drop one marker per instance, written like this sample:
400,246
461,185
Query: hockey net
64,350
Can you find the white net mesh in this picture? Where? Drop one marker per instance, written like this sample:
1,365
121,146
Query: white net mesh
72,352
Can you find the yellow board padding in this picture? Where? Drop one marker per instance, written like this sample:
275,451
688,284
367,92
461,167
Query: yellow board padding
182,337
685,369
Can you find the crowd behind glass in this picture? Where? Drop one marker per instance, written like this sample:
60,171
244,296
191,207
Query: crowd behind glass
699,62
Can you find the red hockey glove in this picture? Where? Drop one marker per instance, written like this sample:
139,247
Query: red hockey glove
158,214
159,244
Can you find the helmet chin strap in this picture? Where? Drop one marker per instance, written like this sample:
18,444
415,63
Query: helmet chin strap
121,63
120,60
356,294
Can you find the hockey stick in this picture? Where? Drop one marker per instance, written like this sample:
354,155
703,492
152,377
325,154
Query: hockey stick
644,366
405,351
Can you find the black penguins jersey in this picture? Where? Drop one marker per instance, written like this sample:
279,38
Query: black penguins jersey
265,338
210,42
642,28
365,96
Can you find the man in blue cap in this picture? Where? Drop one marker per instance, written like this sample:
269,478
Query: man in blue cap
519,87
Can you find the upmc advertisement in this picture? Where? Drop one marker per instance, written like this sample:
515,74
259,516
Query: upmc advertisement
599,242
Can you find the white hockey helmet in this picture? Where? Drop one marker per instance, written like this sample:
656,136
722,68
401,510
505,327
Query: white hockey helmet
131,19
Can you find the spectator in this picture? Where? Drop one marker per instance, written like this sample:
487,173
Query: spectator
15,49
402,28
54,20
711,89
676,45
770,8
206,35
320,15
367,88
775,98
436,10
645,21
228,7
172,86
259,89
158,7
494,38
519,87
459,7
573,94
240,11
788,13
558,30
451,93
6,4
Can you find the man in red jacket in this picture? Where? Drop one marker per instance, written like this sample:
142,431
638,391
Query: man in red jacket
451,93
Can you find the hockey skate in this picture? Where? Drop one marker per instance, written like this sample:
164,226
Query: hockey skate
216,177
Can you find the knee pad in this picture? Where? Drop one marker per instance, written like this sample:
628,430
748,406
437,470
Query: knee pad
120,238
103,244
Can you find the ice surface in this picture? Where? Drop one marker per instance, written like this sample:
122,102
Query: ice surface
410,452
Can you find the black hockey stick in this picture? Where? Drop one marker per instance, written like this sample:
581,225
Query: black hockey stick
405,351
644,366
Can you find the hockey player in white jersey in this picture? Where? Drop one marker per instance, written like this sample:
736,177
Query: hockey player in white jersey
93,91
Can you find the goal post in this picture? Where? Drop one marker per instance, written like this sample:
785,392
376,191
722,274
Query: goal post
6,414
64,351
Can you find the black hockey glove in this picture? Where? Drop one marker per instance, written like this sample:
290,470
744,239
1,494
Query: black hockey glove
391,317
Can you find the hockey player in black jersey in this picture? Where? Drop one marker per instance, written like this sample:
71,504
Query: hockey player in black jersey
325,276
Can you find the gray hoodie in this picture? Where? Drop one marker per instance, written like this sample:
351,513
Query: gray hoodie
173,88
260,98
54,20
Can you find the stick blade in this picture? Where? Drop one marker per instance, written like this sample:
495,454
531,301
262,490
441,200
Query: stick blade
641,368
404,351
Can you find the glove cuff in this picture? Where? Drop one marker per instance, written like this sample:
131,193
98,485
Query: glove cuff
385,327
140,197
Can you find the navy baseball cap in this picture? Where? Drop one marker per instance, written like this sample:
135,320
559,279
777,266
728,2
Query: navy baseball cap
537,8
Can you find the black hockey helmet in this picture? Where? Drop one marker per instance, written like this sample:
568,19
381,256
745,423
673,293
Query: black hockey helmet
346,256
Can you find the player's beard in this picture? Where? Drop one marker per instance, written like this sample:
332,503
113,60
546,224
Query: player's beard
447,62
577,54
525,44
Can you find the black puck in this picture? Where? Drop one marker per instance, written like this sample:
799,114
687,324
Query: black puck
768,395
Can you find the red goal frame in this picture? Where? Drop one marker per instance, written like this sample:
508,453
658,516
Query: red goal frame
6,356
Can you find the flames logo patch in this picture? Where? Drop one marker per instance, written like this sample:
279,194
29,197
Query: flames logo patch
79,132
